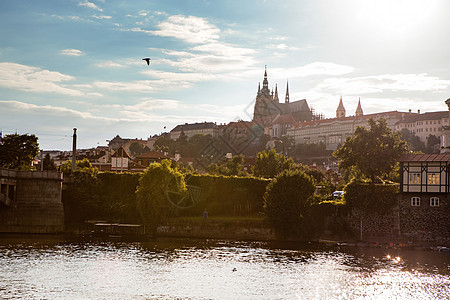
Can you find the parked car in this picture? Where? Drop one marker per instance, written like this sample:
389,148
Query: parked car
337,194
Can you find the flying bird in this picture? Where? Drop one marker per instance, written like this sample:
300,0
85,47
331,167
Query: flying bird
147,60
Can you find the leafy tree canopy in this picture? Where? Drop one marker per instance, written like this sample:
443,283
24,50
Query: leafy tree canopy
137,149
373,151
287,200
18,151
160,187
83,166
233,167
269,164
413,141
48,163
433,143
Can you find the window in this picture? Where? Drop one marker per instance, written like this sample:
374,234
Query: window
414,178
433,178
434,201
415,201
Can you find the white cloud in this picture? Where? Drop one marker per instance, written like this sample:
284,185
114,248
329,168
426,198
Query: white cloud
48,110
102,17
90,5
212,63
386,82
71,52
32,79
284,46
143,86
223,49
159,109
110,64
190,29
312,69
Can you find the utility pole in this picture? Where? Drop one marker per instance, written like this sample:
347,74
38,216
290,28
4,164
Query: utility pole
74,150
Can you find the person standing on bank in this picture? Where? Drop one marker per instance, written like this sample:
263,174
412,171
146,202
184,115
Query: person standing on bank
205,215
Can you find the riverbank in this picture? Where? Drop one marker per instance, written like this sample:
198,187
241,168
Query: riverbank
243,228
239,228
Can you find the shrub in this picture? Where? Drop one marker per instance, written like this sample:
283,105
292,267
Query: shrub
371,198
158,187
287,201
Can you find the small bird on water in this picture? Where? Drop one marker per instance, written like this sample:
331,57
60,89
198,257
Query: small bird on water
147,60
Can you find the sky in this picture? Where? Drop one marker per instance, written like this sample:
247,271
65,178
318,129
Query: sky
68,64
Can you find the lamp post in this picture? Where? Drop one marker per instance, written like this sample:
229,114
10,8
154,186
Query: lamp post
74,150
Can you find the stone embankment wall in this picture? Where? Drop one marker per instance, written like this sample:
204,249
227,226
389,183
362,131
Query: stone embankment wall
373,227
424,223
36,205
404,224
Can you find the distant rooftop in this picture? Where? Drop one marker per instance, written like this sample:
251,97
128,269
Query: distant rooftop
194,126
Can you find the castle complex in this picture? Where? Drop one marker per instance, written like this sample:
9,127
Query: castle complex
268,106
297,121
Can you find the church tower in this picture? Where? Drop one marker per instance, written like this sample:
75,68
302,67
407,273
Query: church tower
359,111
286,99
340,111
266,100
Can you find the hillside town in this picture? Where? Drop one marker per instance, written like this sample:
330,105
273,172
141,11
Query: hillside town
293,128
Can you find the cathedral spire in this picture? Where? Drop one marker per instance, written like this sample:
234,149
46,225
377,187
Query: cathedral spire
286,99
275,97
340,111
259,87
359,111
265,81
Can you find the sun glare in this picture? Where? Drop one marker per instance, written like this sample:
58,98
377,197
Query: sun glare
394,17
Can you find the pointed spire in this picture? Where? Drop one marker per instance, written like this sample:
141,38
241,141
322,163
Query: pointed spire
359,111
275,98
286,99
340,111
265,81
259,87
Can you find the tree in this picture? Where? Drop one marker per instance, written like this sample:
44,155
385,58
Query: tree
414,142
165,144
137,149
270,164
48,163
373,152
159,188
18,151
84,166
287,200
433,143
262,141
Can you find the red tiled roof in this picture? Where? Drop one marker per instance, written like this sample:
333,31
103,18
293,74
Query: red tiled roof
153,155
364,117
240,124
121,153
424,157
436,115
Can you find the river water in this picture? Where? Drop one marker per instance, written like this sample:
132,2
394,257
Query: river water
36,267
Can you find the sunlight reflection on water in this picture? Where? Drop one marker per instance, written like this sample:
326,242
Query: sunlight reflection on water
200,269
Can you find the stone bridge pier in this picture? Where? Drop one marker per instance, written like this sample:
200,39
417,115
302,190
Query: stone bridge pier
31,201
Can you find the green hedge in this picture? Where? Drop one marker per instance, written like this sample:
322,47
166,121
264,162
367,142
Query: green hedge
112,196
106,196
227,195
371,198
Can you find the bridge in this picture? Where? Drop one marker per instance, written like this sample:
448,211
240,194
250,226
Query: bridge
31,201
8,184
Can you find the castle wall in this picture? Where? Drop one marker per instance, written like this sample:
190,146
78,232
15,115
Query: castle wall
36,206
